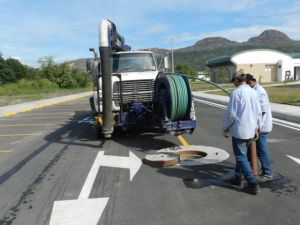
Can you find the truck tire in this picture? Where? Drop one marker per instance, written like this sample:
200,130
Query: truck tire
98,132
162,90
92,104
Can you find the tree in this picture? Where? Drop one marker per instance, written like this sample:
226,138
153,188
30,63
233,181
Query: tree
49,69
185,68
33,73
223,75
19,69
62,74
65,78
7,75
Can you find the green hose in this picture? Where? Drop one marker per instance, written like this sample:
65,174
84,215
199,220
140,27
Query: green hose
206,81
179,95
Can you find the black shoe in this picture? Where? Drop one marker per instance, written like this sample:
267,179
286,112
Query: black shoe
251,188
236,181
264,178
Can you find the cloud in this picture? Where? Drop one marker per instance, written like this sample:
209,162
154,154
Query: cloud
15,57
68,30
17,47
158,28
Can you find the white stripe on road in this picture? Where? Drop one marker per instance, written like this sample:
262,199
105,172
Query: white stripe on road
276,121
295,159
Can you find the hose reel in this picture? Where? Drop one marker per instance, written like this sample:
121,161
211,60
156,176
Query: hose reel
172,96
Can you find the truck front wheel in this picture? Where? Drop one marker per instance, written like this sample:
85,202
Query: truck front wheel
98,132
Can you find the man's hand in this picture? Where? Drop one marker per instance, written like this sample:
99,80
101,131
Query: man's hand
256,136
225,133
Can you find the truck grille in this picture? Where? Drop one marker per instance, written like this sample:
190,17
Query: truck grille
133,91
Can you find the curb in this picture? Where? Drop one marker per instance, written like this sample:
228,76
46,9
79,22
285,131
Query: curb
279,111
12,110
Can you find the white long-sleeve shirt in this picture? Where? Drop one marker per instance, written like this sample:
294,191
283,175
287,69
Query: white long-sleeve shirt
266,122
243,113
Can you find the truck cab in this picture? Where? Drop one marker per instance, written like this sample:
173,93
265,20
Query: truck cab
136,71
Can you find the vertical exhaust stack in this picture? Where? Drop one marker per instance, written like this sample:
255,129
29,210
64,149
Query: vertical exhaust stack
105,27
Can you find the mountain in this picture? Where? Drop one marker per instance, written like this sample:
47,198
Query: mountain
210,43
208,48
78,63
272,38
198,54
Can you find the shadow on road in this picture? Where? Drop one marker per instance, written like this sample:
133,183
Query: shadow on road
79,131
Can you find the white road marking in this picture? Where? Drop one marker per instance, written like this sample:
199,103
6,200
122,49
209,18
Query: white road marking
85,210
283,125
81,211
210,103
276,121
87,187
275,140
295,159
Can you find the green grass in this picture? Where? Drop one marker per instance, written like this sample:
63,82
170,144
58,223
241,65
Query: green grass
288,95
201,86
26,91
285,94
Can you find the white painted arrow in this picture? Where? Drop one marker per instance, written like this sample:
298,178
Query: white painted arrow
89,211
295,159
133,163
81,211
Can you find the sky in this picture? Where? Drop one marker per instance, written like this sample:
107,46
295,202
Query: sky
66,29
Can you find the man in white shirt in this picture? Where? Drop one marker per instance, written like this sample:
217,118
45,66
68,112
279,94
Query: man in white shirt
266,127
242,121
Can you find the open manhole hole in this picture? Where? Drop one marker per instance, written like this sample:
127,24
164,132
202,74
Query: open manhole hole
186,156
190,154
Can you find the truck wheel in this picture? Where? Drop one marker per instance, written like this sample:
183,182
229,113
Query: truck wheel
98,132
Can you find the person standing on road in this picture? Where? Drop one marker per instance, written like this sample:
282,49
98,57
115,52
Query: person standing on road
242,120
266,127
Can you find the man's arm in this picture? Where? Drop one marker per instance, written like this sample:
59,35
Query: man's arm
230,113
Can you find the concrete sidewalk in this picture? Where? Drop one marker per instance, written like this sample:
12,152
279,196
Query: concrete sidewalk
11,110
279,111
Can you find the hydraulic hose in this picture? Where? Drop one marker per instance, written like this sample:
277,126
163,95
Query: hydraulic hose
206,81
179,96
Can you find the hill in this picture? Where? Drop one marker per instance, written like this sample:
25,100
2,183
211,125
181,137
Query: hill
208,48
78,63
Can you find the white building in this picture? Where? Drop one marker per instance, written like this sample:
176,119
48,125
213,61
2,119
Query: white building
265,65
203,75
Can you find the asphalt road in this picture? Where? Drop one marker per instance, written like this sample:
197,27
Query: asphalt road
49,174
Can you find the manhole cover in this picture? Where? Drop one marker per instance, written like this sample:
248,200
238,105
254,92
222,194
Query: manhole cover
161,159
186,156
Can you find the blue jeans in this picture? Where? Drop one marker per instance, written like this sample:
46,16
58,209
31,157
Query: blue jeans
263,155
242,168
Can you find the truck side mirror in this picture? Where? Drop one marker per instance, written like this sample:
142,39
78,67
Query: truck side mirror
89,67
166,61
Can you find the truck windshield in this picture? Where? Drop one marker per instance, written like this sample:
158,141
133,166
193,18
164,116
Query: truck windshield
132,62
